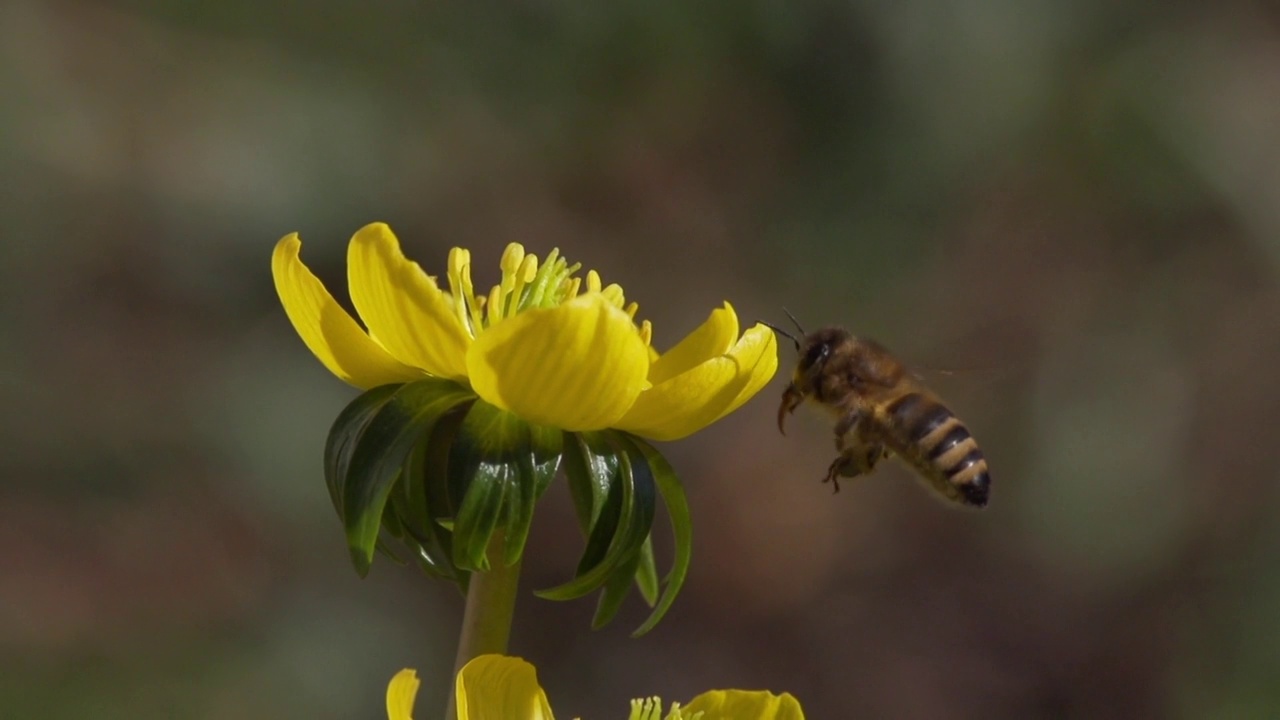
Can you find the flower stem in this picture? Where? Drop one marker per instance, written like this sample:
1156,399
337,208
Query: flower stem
490,608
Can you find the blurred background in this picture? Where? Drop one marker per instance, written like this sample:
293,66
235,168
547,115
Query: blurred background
1072,206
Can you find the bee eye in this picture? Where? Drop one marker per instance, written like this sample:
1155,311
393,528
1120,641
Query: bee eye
816,354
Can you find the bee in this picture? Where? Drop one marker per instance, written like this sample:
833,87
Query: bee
882,410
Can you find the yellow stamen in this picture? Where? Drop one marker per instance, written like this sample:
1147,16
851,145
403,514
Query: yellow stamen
475,306
646,332
593,281
460,286
571,291
524,275
511,259
631,309
613,294
495,305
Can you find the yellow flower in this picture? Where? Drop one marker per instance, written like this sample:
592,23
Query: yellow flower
473,403
541,344
498,687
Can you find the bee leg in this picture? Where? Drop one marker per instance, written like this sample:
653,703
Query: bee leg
833,471
854,461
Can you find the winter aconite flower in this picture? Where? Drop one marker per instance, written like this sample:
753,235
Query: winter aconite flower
474,401
497,686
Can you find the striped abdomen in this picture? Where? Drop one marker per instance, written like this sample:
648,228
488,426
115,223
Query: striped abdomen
934,441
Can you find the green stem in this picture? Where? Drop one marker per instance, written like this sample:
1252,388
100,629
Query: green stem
491,605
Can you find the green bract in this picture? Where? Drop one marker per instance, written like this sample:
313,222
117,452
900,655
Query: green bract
440,471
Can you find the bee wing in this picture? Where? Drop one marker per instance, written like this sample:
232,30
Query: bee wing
923,374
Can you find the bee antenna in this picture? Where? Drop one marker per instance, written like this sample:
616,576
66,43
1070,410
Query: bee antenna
794,321
782,332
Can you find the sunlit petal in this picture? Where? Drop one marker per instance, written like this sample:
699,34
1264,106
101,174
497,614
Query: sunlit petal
400,695
330,333
762,371
698,397
498,687
711,339
578,366
402,307
745,705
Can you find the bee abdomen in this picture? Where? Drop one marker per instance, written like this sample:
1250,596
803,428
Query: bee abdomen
917,416
943,449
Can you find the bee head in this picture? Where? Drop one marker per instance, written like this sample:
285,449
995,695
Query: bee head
814,351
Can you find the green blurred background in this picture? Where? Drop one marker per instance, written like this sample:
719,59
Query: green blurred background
1074,206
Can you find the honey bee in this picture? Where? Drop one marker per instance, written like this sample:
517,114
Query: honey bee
882,410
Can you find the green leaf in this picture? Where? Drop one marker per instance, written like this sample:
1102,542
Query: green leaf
484,471
380,451
647,573
681,525
441,508
634,520
614,490
538,462
409,506
344,433
591,467
596,479
615,591
390,526
478,517
547,445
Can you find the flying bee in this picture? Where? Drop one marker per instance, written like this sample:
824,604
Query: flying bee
882,410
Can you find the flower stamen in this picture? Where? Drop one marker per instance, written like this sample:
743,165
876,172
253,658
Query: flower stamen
525,274
461,290
614,294
569,288
493,308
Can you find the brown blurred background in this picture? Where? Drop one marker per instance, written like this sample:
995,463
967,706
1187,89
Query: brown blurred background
1073,205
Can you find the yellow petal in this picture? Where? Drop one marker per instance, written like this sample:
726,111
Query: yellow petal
712,339
497,687
331,334
762,371
577,366
400,695
698,397
403,308
745,705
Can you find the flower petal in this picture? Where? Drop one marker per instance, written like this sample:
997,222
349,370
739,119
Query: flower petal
712,339
401,692
578,366
403,308
698,397
498,686
762,371
331,334
746,705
